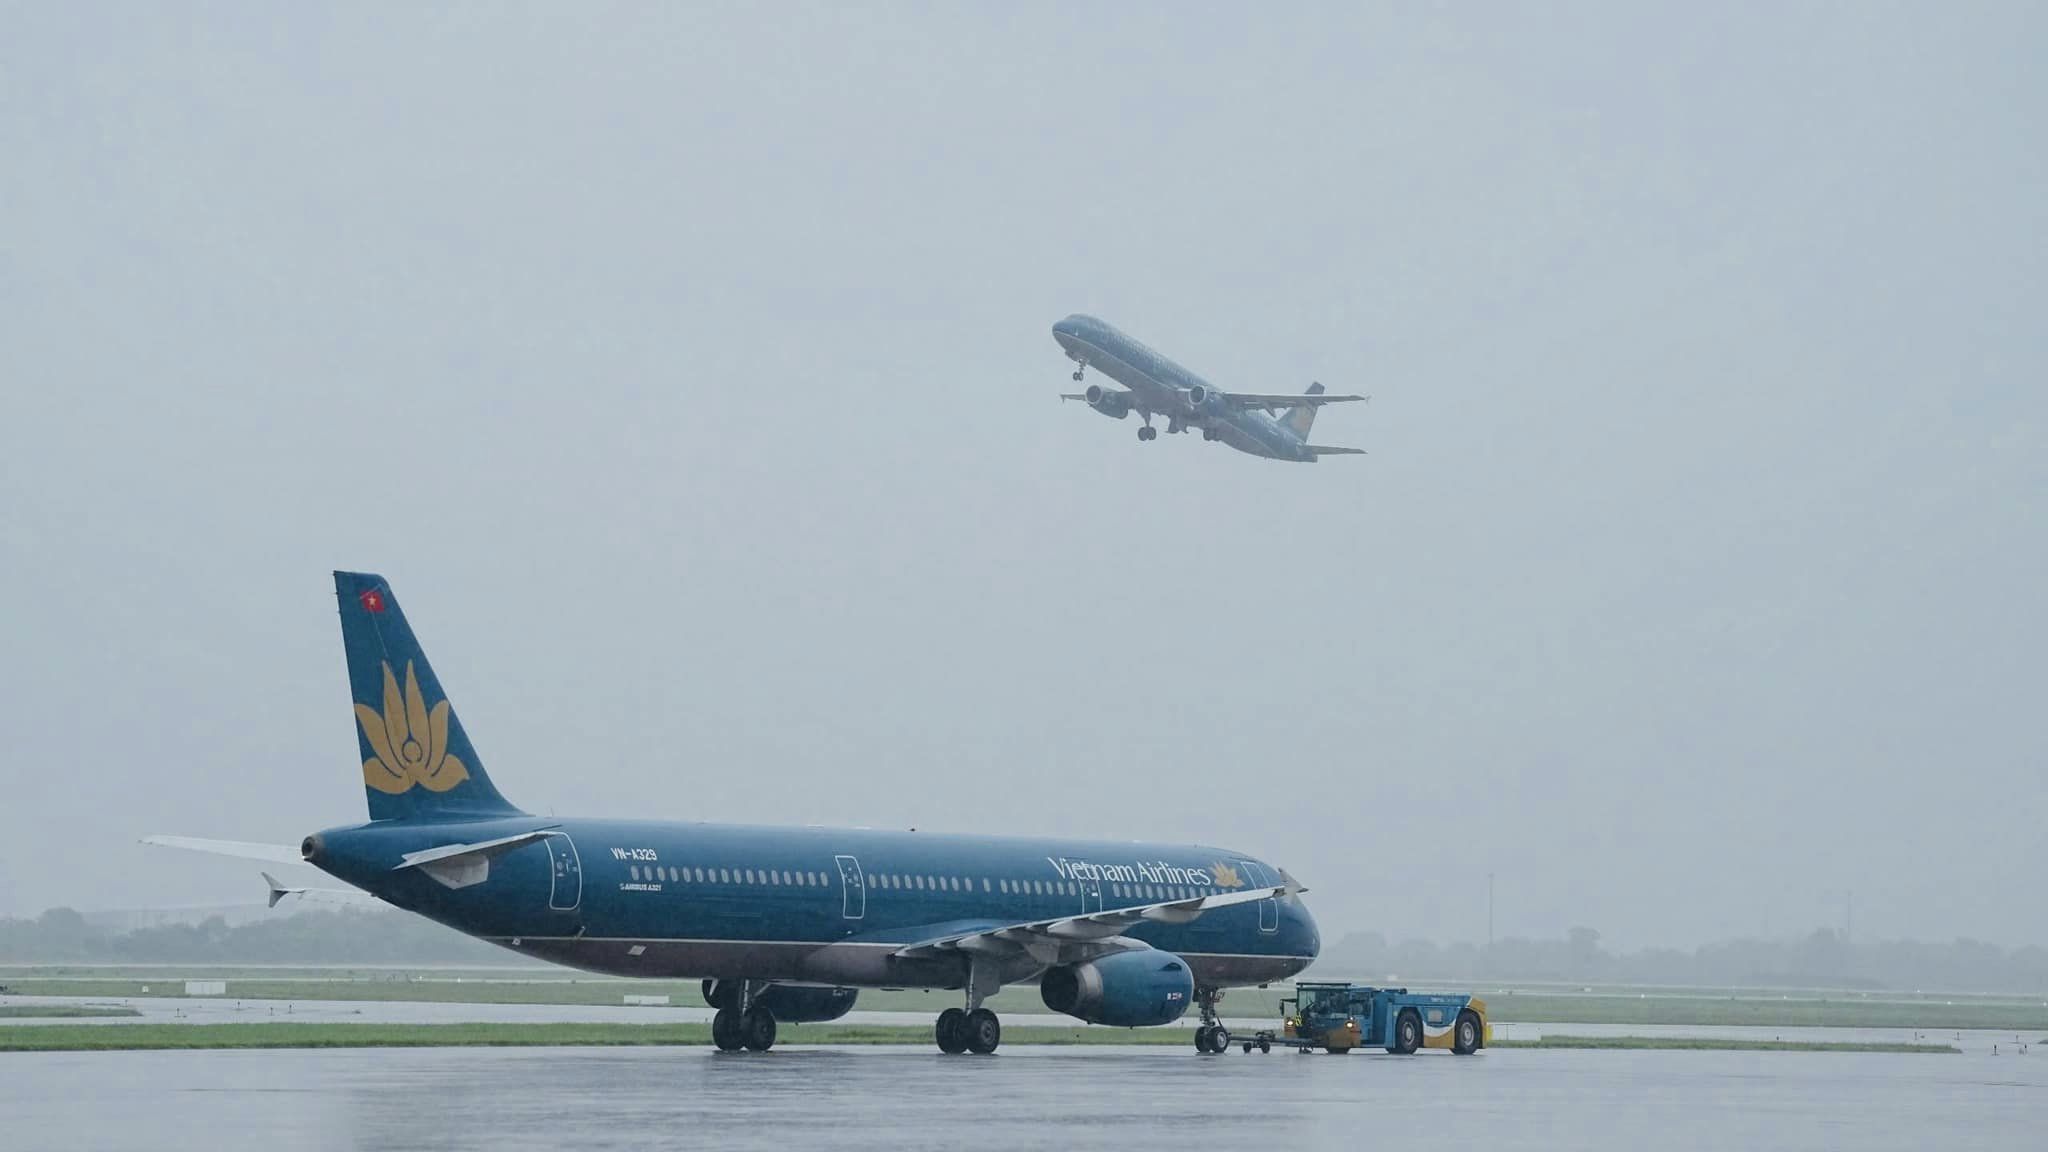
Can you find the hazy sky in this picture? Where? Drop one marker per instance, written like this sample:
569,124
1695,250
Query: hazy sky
689,373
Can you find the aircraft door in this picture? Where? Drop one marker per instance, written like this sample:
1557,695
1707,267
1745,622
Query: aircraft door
567,891
1091,894
1269,908
853,888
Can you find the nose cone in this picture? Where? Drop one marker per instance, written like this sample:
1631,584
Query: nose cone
1303,937
1067,331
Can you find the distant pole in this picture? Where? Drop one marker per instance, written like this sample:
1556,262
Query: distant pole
1489,913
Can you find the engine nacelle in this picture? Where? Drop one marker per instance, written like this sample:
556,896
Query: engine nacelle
1198,398
788,1003
1124,990
1115,405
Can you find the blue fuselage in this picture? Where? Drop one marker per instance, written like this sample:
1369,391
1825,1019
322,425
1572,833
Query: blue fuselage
811,905
1158,385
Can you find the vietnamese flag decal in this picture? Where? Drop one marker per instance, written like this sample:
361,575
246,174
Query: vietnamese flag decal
373,599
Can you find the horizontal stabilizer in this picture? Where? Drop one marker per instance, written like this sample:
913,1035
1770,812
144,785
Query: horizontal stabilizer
279,891
461,865
1325,450
274,853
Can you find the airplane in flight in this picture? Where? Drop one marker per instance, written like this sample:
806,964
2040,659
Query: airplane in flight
1273,426
783,925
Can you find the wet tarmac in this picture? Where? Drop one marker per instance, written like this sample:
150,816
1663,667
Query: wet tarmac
1022,1098
227,1010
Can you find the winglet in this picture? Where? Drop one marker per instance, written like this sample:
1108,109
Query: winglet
277,891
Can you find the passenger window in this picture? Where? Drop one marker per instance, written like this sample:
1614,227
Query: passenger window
984,884
635,870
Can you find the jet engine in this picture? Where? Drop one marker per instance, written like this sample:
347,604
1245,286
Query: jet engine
789,1003
1115,405
1198,398
1124,990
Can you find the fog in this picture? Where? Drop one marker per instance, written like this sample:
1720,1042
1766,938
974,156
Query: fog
688,372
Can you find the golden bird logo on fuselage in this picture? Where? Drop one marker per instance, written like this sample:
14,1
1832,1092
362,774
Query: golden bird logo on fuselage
1225,876
410,742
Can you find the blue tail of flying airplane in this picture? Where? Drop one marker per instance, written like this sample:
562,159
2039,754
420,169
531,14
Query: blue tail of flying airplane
417,762
1299,420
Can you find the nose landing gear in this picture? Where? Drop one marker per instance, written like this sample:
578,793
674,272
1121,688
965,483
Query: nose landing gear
1211,1038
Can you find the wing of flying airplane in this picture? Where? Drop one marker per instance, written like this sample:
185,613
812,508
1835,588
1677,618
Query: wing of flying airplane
1071,939
1244,401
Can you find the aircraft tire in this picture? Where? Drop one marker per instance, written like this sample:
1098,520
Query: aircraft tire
982,1031
725,1030
1219,1039
951,1031
1202,1039
1465,1033
757,1029
1407,1033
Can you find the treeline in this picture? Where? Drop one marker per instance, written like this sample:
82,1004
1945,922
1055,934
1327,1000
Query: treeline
1823,959
387,936
321,936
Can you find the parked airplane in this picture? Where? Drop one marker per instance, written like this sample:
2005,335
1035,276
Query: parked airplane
782,924
1273,426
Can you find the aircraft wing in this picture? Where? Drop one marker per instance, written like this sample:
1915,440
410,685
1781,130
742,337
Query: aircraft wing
1069,939
1274,402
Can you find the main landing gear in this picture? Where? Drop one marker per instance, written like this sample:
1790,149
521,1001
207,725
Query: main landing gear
959,1030
739,1022
1211,1037
973,1028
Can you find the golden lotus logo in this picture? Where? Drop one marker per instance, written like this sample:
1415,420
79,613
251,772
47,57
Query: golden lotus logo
1225,876
411,743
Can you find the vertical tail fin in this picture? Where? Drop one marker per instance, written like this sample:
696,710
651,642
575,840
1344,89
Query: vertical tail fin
1300,420
417,761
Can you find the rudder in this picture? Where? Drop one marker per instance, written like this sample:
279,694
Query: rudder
1300,420
417,761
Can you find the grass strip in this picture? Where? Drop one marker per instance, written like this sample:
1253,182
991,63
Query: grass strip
63,1011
